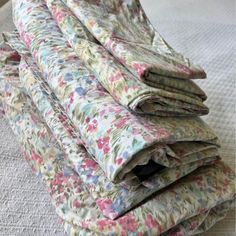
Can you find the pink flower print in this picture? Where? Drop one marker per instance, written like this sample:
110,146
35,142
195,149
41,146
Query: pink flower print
62,118
59,15
93,126
61,189
26,38
105,224
34,118
61,199
119,161
122,60
71,96
57,180
89,163
105,206
103,143
28,159
116,110
61,221
76,203
126,88
121,123
102,224
37,158
35,53
78,189
128,223
87,120
84,224
148,138
136,131
61,83
29,9
162,133
140,68
109,131
151,222
101,113
115,77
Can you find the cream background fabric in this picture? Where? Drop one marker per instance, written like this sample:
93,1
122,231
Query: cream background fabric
203,30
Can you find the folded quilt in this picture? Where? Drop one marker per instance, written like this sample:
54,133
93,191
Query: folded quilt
124,29
126,147
118,198
170,97
185,208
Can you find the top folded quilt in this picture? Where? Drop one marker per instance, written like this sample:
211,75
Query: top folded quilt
167,96
122,144
124,29
162,96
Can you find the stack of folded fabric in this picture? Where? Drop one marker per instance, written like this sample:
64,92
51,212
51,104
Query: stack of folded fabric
106,113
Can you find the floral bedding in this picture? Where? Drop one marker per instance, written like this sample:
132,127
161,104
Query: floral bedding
169,97
109,170
118,198
185,208
124,29
118,139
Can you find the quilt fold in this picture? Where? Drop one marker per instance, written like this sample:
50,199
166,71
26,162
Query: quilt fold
123,28
184,208
182,98
118,140
118,198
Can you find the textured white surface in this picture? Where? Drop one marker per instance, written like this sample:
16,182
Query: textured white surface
203,30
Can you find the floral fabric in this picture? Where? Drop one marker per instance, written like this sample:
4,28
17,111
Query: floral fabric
184,208
7,55
118,198
70,95
123,28
118,140
168,98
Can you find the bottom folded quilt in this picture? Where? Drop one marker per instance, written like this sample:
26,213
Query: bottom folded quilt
188,206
